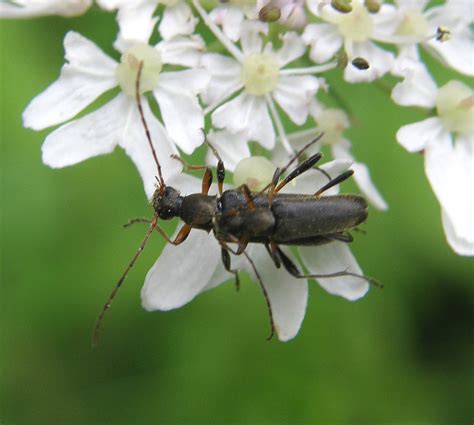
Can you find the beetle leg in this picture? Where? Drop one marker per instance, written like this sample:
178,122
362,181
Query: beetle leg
180,237
293,270
137,220
226,261
248,196
300,169
271,192
272,249
339,179
206,179
220,165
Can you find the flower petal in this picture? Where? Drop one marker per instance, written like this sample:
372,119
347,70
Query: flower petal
177,20
248,114
380,62
324,39
136,23
294,94
232,148
29,9
179,106
335,257
417,88
361,174
225,76
415,137
292,48
230,18
88,74
460,244
458,52
131,137
250,37
92,135
181,272
185,51
450,170
288,296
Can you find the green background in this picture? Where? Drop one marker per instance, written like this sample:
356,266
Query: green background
401,355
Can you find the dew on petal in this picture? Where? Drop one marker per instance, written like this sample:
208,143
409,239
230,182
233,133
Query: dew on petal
260,73
126,71
455,106
256,172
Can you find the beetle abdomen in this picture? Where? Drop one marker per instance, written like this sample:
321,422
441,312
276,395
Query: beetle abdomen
304,218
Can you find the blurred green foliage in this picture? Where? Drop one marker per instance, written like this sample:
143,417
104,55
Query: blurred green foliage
401,355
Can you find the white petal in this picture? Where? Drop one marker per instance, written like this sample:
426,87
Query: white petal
177,20
335,257
225,76
417,89
380,62
415,137
251,38
230,18
179,106
185,51
88,74
248,114
232,148
185,183
132,138
294,94
367,187
32,8
361,175
181,272
450,170
458,243
92,135
324,39
458,52
288,296
312,180
136,23
292,48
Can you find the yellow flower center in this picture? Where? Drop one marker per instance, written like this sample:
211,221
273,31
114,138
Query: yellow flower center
260,73
413,24
356,25
256,172
455,106
126,72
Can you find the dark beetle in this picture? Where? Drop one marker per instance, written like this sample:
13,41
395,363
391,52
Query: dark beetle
241,216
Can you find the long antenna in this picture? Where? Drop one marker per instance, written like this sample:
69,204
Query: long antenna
145,125
100,319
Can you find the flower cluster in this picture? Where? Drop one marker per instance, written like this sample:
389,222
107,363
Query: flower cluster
259,77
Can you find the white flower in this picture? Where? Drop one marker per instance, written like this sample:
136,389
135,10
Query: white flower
88,74
182,272
136,18
353,31
32,8
254,79
444,30
447,141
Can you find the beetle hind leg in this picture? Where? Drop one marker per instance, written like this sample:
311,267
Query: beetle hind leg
227,264
294,271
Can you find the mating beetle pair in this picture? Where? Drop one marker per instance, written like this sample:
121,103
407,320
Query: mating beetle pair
240,216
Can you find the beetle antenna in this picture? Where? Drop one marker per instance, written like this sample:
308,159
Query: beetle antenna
145,125
265,294
100,319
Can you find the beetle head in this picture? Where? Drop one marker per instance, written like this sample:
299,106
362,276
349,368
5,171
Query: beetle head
166,202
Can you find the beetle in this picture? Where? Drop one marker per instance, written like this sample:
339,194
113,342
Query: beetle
240,216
